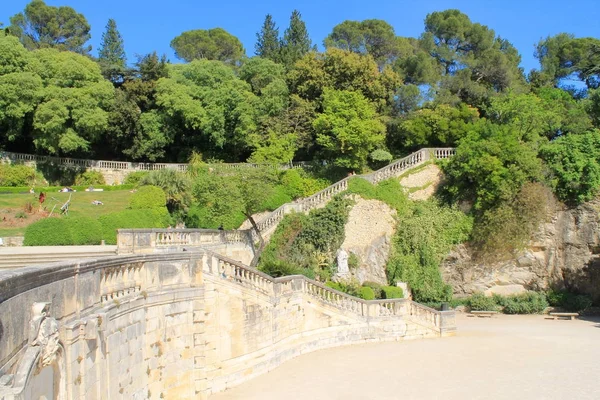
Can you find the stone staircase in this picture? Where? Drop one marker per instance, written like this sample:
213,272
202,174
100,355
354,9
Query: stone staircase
268,224
17,257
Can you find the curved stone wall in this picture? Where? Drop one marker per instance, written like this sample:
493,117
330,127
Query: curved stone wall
175,325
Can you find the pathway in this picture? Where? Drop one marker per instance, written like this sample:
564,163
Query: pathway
509,357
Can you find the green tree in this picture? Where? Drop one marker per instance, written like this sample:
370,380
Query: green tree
373,36
73,114
259,72
490,166
211,44
593,106
349,129
111,54
136,130
343,70
574,165
474,62
41,26
296,42
209,108
267,41
549,113
564,56
440,126
20,93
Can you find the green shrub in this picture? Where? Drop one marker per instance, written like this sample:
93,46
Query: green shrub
393,292
131,219
481,302
84,230
366,293
336,286
90,177
279,268
177,188
48,232
526,303
310,241
148,197
388,191
298,183
353,261
380,158
428,232
278,198
134,178
14,175
208,218
293,183
377,289
362,187
569,301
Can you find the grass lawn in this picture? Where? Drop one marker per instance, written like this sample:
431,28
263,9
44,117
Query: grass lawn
12,206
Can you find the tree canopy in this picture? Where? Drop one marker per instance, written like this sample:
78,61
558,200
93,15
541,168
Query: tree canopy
211,44
111,54
41,26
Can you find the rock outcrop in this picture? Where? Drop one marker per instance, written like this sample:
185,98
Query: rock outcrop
564,253
369,231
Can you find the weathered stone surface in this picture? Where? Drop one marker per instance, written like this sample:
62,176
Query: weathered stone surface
177,325
369,231
427,180
564,252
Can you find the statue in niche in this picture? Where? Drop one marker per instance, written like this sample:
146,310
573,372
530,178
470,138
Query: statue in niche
43,332
342,263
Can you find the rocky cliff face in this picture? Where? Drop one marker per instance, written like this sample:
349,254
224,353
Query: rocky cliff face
369,232
565,252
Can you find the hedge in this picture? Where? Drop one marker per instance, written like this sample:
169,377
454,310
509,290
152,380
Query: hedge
63,232
48,232
19,175
131,219
366,293
392,292
148,197
90,178
84,230
38,189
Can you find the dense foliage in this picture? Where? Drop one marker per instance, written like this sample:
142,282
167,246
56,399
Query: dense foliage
63,231
308,242
369,97
525,303
428,232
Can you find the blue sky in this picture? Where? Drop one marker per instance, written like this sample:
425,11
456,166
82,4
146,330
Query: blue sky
151,24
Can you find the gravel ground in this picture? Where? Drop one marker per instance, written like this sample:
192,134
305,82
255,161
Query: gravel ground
508,357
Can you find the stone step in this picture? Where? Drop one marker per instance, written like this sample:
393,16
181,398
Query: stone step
17,257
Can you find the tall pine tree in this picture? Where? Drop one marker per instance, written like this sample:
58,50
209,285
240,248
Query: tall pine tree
267,41
296,42
111,55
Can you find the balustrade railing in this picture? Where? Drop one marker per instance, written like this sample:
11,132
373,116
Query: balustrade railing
257,280
119,281
424,314
318,199
131,166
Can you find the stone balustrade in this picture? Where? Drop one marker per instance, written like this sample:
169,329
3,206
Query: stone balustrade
176,325
32,159
318,199
150,240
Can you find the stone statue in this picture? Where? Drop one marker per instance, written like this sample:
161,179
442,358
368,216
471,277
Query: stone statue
43,332
342,263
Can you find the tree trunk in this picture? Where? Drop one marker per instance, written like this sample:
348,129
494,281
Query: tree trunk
261,241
